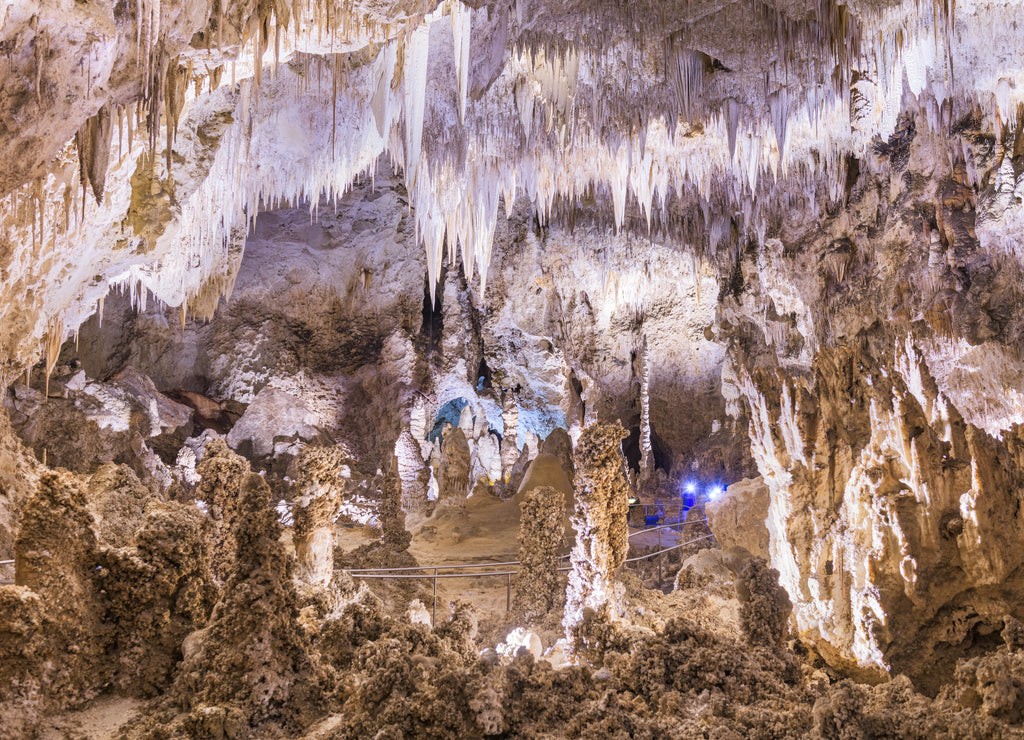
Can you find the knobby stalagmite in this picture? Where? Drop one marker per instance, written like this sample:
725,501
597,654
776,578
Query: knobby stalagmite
602,505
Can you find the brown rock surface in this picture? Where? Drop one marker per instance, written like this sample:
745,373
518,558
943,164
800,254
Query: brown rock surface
737,517
537,587
895,525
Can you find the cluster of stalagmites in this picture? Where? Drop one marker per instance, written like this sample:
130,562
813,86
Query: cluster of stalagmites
233,636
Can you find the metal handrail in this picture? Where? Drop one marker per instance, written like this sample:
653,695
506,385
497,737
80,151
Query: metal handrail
356,571
507,573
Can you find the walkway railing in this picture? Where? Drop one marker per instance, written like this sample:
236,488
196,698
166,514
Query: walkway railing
402,573
7,581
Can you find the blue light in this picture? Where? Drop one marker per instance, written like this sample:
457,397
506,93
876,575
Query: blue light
690,487
714,492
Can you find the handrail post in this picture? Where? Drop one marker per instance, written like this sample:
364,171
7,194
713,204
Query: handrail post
508,593
659,560
433,615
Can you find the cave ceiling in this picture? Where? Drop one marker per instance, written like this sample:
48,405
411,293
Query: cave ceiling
142,138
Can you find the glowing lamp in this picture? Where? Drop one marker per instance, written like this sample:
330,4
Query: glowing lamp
714,492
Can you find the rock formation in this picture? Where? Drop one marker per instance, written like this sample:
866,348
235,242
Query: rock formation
52,635
537,586
454,466
602,503
894,523
738,517
221,472
322,475
412,473
158,589
250,666
392,514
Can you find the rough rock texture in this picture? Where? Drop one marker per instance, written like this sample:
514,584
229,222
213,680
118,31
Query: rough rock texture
250,666
764,605
602,504
157,590
117,500
894,523
321,481
392,514
19,472
221,472
738,517
412,472
537,587
51,637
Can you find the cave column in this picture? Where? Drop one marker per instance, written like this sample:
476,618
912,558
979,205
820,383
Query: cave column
602,505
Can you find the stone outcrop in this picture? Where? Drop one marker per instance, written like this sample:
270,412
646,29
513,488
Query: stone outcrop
895,525
602,504
537,587
738,517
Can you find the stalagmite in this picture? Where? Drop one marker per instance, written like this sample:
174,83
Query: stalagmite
455,461
221,472
413,473
537,586
392,517
320,479
602,503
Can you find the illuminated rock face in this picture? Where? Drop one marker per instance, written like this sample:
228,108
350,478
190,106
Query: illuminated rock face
895,525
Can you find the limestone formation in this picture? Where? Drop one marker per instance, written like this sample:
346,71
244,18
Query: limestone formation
454,466
894,523
157,590
221,472
537,586
51,625
250,665
412,473
392,514
764,605
322,475
738,517
602,503
117,500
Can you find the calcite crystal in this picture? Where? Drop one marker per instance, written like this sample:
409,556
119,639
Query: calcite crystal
602,504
